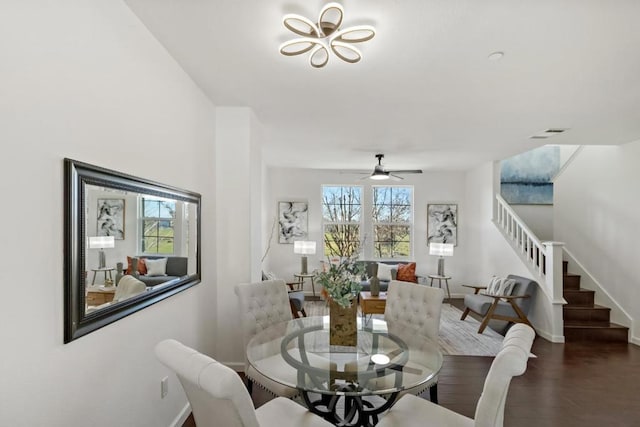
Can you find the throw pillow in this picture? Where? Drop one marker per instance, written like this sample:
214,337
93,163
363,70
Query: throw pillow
407,272
501,286
156,267
142,266
384,271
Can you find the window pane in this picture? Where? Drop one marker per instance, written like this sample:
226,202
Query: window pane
150,245
381,195
165,245
149,228
165,228
382,213
167,210
341,239
400,213
150,208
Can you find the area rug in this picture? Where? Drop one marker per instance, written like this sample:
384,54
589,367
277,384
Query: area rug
457,337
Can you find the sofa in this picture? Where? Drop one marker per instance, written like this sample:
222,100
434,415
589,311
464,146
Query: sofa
370,268
176,268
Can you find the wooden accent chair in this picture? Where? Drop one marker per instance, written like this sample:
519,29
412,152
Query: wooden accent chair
412,411
509,308
218,397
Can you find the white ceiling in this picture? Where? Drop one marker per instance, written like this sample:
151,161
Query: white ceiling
425,93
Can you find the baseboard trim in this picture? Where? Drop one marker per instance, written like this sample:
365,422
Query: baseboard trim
635,340
182,416
550,337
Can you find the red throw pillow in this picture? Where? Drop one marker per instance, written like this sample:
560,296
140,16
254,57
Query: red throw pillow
142,267
407,272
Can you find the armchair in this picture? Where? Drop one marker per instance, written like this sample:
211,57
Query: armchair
501,308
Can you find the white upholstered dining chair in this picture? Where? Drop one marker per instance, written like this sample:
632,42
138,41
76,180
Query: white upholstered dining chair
218,397
511,360
416,308
263,304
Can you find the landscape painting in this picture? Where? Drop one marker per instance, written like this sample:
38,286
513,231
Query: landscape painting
526,179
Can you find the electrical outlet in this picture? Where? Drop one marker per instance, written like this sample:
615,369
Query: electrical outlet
164,387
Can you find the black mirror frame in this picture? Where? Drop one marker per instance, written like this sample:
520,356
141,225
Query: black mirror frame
76,175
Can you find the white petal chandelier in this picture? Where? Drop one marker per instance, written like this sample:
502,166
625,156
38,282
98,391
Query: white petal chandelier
324,36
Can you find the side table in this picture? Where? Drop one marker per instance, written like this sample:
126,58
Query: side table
106,270
440,279
301,277
372,305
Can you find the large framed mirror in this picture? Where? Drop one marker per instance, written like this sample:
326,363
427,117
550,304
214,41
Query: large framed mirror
129,243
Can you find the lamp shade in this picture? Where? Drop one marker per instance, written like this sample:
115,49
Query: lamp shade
101,242
441,249
304,247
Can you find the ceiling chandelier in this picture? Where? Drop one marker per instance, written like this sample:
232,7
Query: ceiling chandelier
325,35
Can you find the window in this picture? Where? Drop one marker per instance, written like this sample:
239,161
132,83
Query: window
158,221
392,221
341,217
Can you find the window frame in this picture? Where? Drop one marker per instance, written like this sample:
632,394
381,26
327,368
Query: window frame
409,224
358,223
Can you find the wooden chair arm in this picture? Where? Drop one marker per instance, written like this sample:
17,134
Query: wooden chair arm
505,297
477,288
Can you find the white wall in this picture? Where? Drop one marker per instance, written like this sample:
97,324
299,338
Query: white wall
539,219
597,215
84,79
306,184
491,253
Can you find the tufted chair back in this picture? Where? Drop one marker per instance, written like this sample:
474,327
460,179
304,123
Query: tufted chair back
510,361
216,393
416,306
262,304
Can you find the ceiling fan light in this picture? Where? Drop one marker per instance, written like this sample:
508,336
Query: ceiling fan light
379,176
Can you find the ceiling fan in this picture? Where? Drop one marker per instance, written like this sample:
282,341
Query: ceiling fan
380,173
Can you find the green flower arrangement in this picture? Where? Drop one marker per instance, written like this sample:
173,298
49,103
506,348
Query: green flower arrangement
341,281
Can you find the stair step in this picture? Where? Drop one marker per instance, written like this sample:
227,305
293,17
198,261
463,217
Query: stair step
610,332
565,265
571,281
579,297
578,316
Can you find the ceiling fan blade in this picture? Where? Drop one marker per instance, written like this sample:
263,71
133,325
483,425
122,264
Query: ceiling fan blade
405,171
395,177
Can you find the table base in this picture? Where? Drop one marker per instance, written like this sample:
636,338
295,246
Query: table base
357,411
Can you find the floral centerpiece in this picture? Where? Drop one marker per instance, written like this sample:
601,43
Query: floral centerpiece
341,284
341,280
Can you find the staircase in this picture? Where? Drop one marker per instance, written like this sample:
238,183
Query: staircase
584,320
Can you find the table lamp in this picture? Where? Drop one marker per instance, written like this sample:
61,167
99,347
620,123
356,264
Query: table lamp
305,248
101,242
442,250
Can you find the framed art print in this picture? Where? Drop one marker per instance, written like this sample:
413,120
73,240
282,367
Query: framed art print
111,218
442,223
292,221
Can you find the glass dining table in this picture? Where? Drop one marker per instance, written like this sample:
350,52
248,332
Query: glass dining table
347,386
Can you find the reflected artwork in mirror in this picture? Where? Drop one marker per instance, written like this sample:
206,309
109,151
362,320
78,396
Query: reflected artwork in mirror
129,243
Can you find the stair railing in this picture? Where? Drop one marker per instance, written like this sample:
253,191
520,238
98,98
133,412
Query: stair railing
523,238
543,259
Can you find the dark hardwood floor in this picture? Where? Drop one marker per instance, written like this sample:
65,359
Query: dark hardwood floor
573,384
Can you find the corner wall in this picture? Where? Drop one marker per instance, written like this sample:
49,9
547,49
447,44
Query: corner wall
84,79
597,215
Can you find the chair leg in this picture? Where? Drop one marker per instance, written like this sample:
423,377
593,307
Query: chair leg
433,393
487,316
304,313
464,314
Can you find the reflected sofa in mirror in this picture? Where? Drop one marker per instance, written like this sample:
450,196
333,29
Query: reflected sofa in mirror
129,242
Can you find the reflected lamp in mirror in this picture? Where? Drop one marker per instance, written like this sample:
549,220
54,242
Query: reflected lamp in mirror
304,248
442,250
102,242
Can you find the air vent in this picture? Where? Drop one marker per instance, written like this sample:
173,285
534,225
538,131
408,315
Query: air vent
549,133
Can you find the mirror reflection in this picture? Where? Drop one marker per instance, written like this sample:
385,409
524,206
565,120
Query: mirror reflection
129,243
135,243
